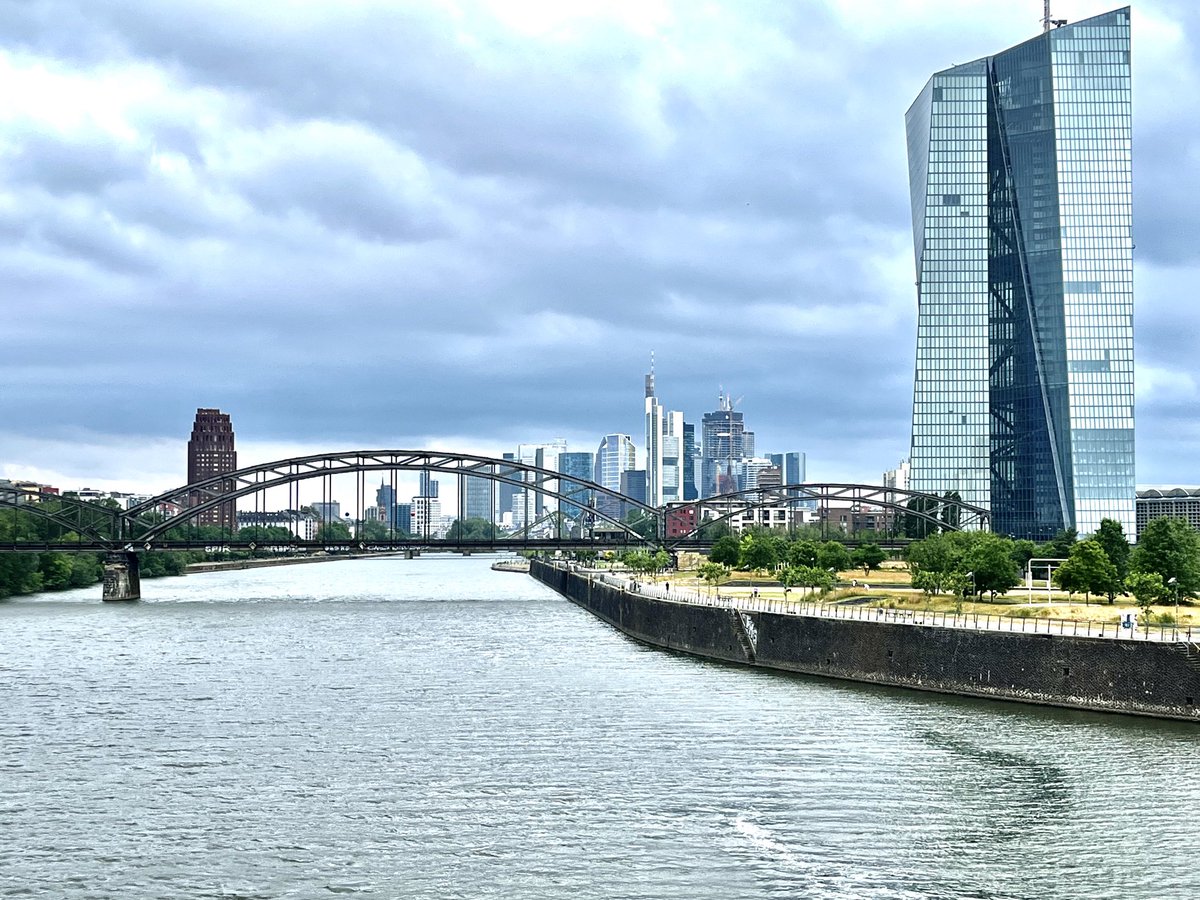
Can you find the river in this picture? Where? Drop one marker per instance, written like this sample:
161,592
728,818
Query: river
432,729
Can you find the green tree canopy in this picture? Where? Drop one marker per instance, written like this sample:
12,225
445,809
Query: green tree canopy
803,552
333,532
713,573
1088,569
834,555
869,556
472,529
758,550
1059,546
1147,588
989,557
726,551
1169,548
1111,536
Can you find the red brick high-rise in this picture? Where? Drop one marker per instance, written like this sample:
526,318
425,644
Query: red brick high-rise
211,452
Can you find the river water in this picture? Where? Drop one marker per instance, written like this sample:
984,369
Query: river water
432,729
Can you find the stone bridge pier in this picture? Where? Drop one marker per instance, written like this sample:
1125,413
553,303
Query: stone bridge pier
121,576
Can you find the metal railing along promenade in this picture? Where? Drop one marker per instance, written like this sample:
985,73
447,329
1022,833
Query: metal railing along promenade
925,618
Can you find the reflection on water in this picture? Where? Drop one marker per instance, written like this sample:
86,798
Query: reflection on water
429,729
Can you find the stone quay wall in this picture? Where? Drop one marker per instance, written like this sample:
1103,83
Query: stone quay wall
1159,679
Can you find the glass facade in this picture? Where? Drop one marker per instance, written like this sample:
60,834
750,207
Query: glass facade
1019,168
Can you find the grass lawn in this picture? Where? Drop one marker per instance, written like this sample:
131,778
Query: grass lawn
1019,602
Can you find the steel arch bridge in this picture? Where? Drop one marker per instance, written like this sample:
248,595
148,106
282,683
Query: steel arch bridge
932,511
83,525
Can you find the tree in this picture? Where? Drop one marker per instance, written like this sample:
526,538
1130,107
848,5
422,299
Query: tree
803,552
989,559
333,532
472,529
789,577
713,573
1147,588
661,560
951,511
806,576
713,531
869,556
1059,546
1088,569
758,550
1171,549
1111,536
726,550
56,571
834,555
916,525
928,582
642,523
1023,551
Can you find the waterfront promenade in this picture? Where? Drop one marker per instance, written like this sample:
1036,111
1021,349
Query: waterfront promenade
858,611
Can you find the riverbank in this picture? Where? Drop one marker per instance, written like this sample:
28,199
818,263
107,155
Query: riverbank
1101,671
224,565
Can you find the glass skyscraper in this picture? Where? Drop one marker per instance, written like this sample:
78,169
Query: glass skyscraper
1019,168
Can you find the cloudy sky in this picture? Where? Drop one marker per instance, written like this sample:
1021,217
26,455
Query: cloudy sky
466,224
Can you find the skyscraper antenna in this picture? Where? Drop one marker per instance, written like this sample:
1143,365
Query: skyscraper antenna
1047,21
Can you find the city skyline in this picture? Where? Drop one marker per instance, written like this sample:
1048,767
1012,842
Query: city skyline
188,232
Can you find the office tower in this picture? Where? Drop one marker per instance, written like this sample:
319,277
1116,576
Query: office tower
722,436
791,465
633,484
404,517
427,484
690,454
770,476
478,498
664,449
1019,167
544,456
211,452
748,471
615,455
426,515
385,499
507,491
577,466
386,507
898,477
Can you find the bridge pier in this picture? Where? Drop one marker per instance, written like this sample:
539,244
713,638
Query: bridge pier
411,554
121,577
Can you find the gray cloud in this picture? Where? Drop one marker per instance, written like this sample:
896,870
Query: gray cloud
386,221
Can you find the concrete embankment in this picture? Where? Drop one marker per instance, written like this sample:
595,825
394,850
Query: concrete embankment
1149,678
227,564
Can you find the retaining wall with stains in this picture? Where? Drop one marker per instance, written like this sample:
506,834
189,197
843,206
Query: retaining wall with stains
1137,677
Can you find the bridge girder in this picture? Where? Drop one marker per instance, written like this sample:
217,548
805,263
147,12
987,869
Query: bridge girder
226,487
73,514
872,495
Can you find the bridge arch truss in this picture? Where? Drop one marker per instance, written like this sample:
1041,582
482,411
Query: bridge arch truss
933,511
212,493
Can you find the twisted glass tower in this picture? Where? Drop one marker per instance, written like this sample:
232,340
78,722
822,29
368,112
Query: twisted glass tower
1019,168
